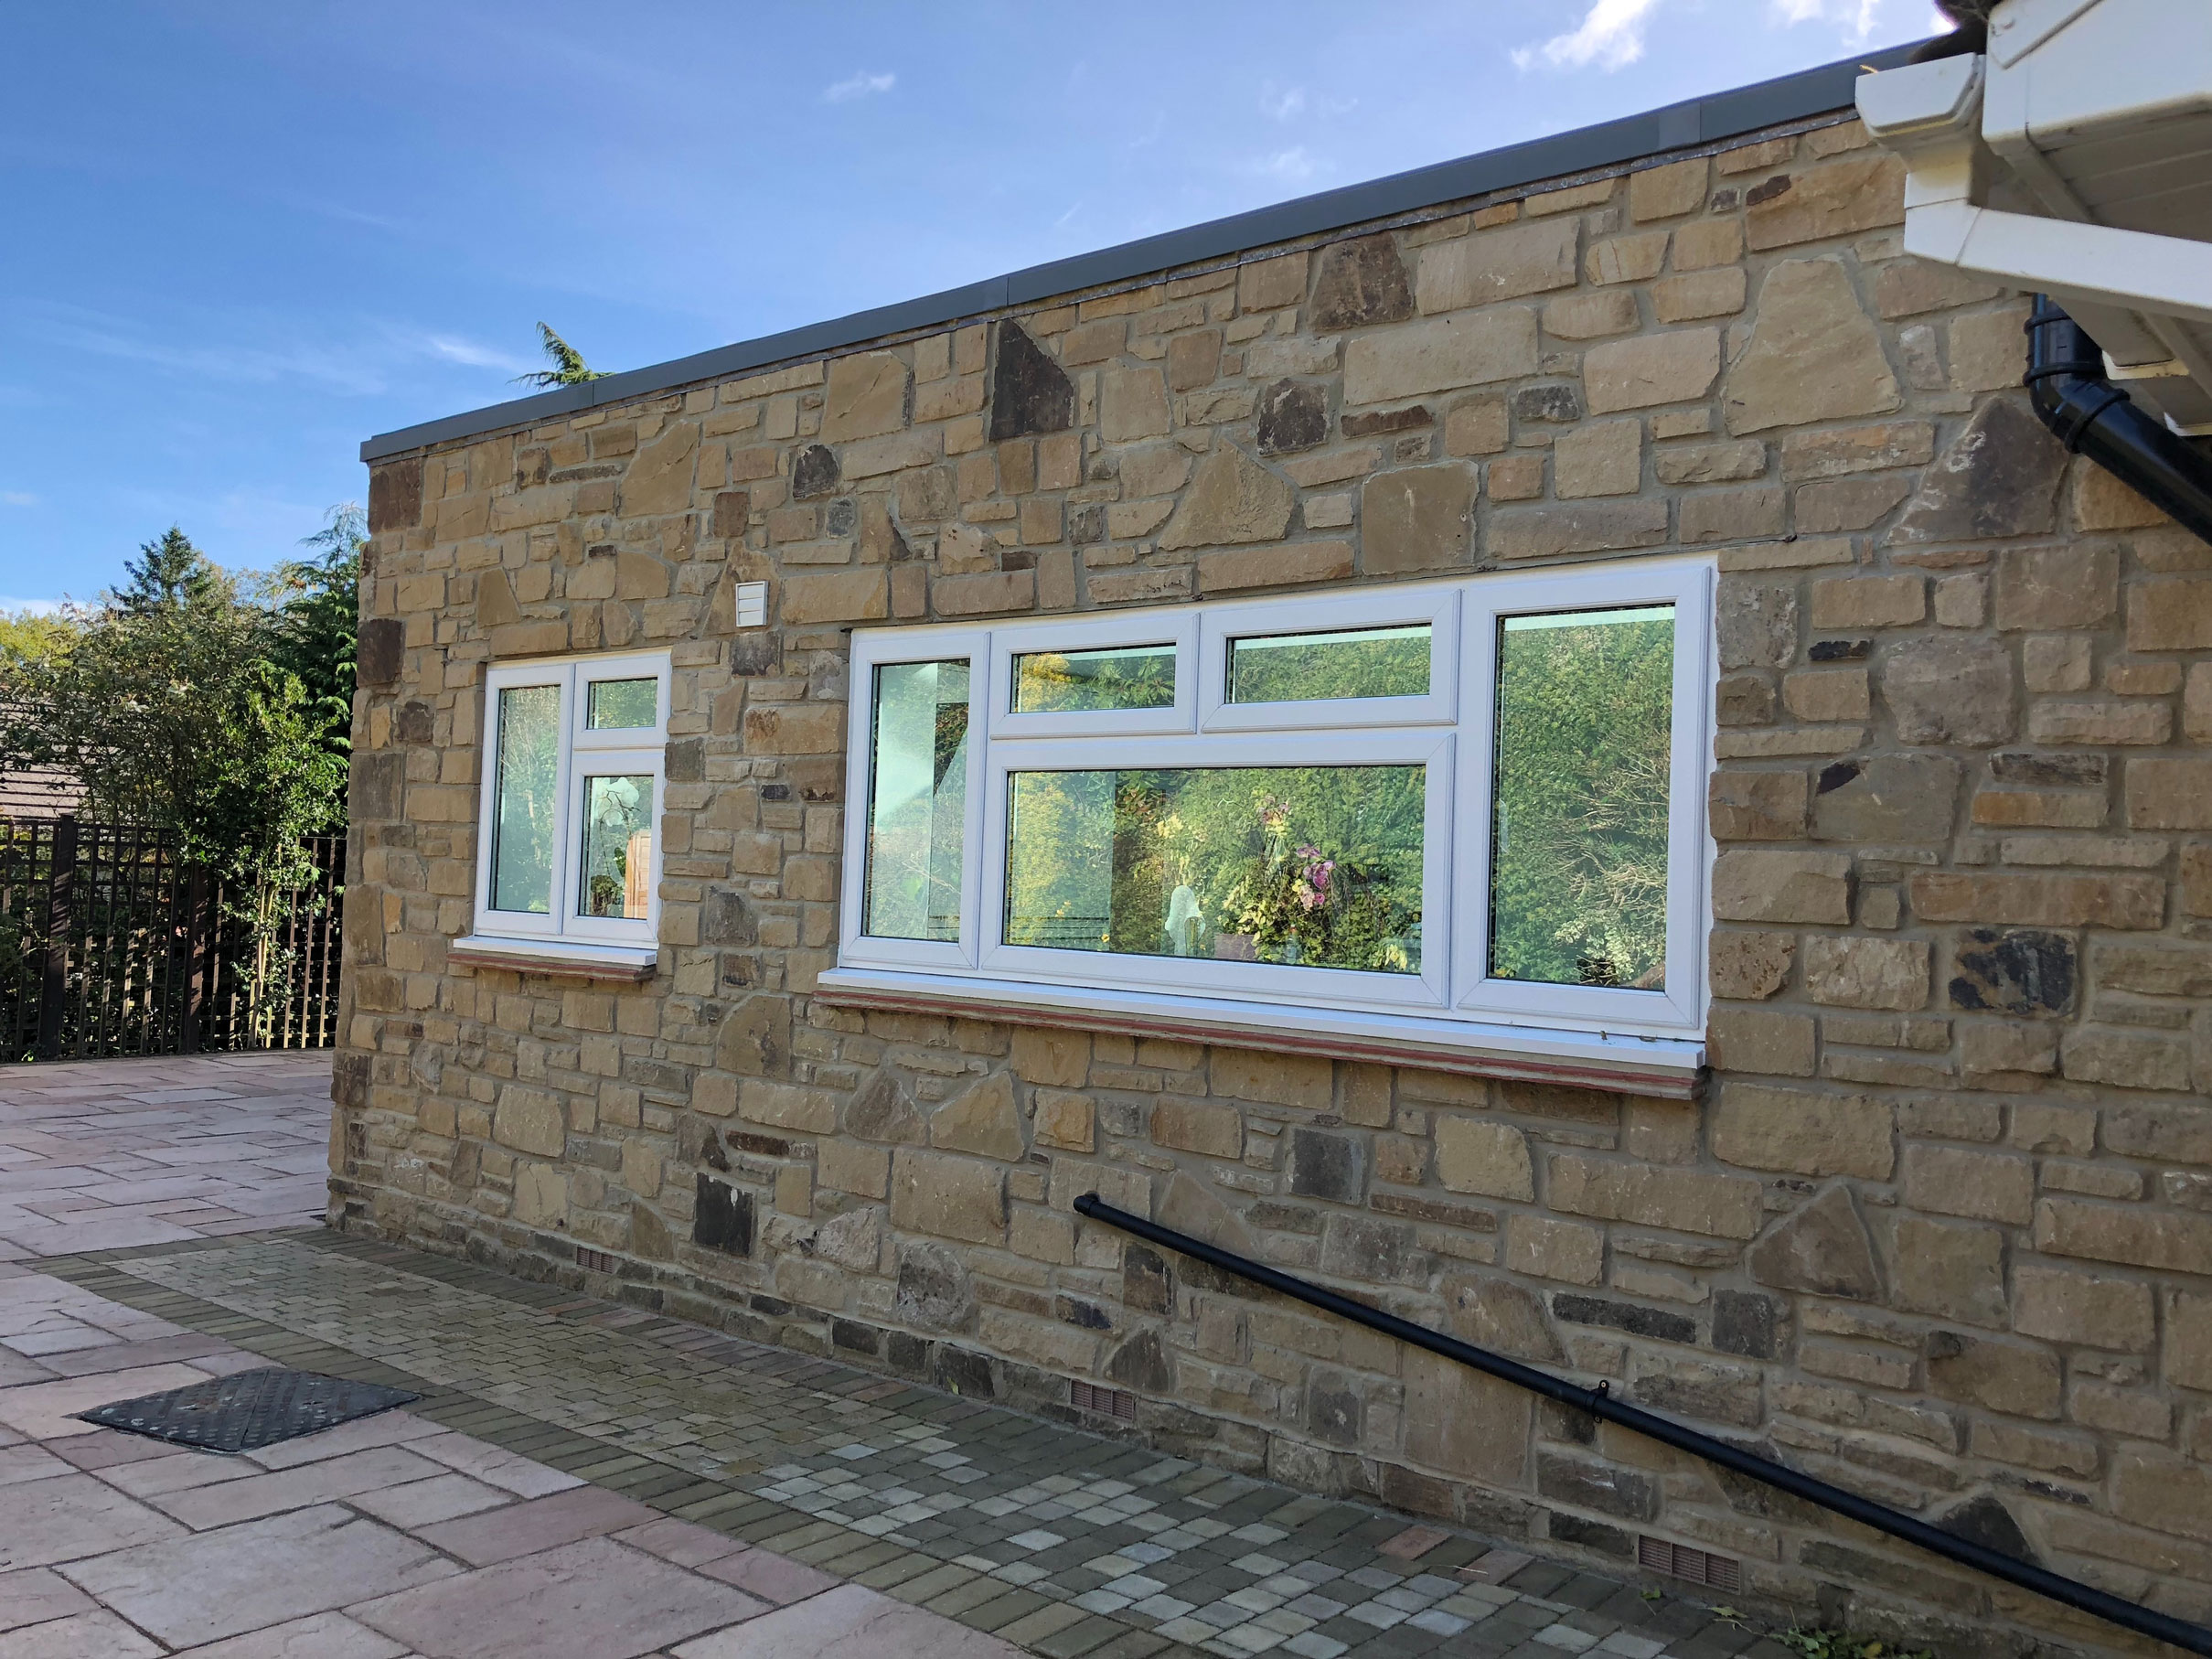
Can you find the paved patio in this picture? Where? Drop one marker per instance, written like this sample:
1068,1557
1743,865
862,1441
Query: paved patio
589,1479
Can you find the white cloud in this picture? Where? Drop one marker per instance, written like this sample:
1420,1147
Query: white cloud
860,85
1281,105
1610,36
451,348
1856,17
18,497
1294,165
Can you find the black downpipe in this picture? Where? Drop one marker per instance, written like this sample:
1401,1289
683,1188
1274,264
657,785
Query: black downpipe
2093,417
1599,1403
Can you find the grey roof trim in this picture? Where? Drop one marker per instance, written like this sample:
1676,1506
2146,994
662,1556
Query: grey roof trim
1610,144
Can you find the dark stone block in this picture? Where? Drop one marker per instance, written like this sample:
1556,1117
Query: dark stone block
728,919
1603,1487
1086,524
756,651
1841,650
349,1079
1359,1247
395,496
685,761
814,472
1285,1217
1030,393
1146,1284
1747,1323
1624,1316
1558,404
699,1142
1335,1411
1083,1315
1593,1535
854,1337
1559,1421
721,1217
414,723
758,1144
1360,282
774,1306
908,1356
1985,1520
934,1290
2015,970
841,518
381,649
963,1373
1416,1494
1142,1364
2015,766
1999,478
1326,1166
1387,421
1292,416
733,511
373,787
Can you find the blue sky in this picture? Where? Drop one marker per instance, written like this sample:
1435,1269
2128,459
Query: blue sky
236,239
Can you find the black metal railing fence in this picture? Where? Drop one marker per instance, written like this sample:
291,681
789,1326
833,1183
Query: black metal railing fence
111,944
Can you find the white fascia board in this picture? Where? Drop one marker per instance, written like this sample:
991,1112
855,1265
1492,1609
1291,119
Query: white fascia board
2169,275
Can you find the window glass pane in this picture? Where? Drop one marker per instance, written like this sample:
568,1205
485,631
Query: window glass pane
530,782
1319,866
919,811
1578,873
617,869
1314,668
622,705
1122,676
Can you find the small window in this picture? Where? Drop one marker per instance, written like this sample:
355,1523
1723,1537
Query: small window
569,843
1315,668
917,807
1584,767
1060,682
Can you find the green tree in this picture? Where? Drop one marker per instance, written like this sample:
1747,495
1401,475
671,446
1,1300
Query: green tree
313,622
168,573
569,367
27,636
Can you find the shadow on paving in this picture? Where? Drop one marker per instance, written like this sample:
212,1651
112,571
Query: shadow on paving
1063,1542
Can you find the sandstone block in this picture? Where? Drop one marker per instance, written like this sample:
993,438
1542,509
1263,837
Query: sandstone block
1651,370
2169,794
1749,965
1731,514
1711,463
1744,1039
530,1120
1693,295
1417,519
1551,531
659,479
1291,566
1823,1249
1186,1126
2188,1349
1669,191
1840,452
1759,1128
1761,886
1994,1051
1855,972
2086,1309
1543,1249
1058,1059
2056,588
1477,349
787,1105
1984,1186
1233,499
1491,1159
795,729
1592,315
1840,199
1719,1207
982,1119
1603,459
1814,354
1836,505
2007,1377
1627,259
1499,264
948,1197
2127,1233
2126,1059
2171,615
1132,404
1465,1423
1869,602
844,1166
839,596
867,394
1757,624
2102,721
1269,285
1999,478
1757,805
1063,1118
2165,1493
1829,694
1275,1079
1360,282
1945,689
2052,901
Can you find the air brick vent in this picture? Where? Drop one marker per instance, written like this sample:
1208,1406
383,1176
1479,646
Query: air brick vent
1103,1402
593,1261
1698,1566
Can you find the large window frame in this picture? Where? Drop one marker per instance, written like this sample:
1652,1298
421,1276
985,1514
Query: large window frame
564,929
1453,1000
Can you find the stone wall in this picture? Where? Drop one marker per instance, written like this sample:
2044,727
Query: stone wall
1941,1229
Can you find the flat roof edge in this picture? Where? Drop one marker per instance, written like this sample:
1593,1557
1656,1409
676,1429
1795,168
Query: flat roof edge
1677,126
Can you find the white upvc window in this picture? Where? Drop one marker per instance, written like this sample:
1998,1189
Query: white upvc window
1455,816
568,844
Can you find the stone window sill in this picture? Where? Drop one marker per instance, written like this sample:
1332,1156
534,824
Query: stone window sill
561,959
1671,1069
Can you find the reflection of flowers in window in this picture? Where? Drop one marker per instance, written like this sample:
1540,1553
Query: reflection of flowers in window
1292,907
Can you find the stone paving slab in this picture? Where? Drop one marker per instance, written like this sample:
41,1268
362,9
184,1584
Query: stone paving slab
1054,1540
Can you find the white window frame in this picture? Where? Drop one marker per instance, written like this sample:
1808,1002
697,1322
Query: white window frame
583,752
1452,1002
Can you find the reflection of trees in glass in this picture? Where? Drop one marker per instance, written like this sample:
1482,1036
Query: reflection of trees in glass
1313,865
617,845
529,768
615,706
917,815
1314,667
1127,677
1578,884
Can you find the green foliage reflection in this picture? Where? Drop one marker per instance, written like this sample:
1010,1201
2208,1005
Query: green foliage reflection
1319,866
1578,882
1318,668
1127,677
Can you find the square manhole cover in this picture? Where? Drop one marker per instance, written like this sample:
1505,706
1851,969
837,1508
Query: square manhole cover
250,1409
